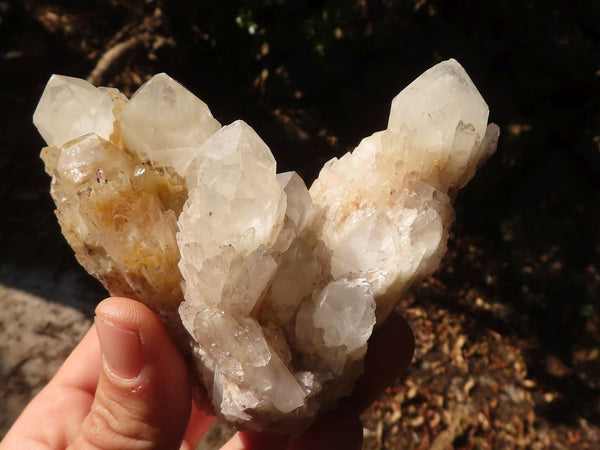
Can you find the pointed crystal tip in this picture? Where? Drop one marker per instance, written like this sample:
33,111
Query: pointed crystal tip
71,107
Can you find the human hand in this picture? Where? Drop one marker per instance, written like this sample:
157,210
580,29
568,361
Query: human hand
126,386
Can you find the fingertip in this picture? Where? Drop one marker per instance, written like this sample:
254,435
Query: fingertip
127,313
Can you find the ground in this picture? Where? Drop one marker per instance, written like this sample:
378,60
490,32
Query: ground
508,329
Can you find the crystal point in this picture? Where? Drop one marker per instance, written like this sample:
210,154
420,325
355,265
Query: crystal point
71,107
163,115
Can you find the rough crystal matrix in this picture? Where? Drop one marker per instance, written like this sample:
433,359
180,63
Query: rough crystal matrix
273,290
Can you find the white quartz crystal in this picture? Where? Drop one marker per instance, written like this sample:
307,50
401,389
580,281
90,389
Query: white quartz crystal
71,107
271,290
383,210
431,119
165,122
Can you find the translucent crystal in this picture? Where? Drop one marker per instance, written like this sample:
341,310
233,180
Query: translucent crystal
164,122
299,203
384,209
71,107
234,199
443,118
345,311
415,109
120,217
271,289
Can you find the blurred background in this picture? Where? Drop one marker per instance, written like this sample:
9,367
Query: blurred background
508,329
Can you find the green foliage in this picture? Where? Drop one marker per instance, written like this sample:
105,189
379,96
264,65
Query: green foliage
316,25
319,29
245,20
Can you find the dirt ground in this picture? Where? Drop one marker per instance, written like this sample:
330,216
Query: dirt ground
508,329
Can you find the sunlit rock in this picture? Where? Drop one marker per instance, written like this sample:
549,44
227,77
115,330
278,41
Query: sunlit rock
270,289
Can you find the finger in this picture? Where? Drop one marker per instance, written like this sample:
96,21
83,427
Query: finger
336,430
389,353
340,429
252,440
82,368
54,416
199,423
142,399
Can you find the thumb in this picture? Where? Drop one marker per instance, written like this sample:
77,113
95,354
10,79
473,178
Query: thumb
143,396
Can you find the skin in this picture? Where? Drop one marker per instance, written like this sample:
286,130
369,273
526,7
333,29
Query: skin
125,386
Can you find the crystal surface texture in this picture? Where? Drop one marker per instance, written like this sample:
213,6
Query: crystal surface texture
270,289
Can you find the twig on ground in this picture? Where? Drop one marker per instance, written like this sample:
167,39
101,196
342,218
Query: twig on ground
109,58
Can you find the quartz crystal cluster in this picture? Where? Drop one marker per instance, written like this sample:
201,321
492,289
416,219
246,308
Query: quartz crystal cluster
271,289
